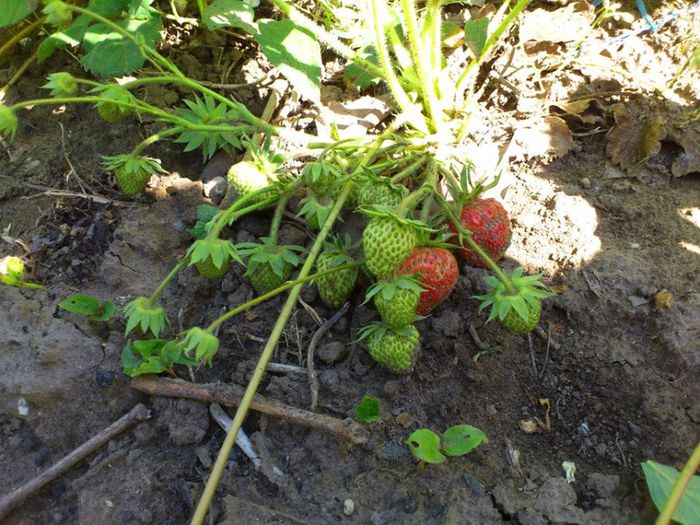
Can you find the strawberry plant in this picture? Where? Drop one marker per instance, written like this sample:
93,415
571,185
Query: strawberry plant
409,183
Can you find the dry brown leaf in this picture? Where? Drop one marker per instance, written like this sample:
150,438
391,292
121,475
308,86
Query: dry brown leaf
687,136
549,137
633,139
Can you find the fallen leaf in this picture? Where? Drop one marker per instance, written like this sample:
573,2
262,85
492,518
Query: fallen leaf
633,140
529,426
549,137
687,136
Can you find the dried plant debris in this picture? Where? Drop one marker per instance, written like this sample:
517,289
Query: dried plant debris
569,24
549,137
639,133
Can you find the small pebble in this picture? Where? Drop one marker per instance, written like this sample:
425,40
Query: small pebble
392,387
348,507
585,182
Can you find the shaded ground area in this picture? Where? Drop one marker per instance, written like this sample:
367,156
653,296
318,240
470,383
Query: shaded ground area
614,388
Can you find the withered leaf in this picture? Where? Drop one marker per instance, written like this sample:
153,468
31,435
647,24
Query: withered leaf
633,139
687,136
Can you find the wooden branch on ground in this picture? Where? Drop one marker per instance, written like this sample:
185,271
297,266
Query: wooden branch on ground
13,499
230,395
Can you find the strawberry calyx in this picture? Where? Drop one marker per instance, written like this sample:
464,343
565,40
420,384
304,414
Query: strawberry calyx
527,290
220,251
321,177
385,212
266,253
388,288
200,343
315,210
375,330
145,314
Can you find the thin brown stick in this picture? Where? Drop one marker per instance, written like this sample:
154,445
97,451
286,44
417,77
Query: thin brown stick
313,377
53,192
547,336
14,498
230,395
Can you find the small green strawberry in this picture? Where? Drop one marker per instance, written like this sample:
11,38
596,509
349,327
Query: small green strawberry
379,191
396,350
255,174
335,288
396,300
212,257
132,172
113,111
518,304
387,240
269,265
518,325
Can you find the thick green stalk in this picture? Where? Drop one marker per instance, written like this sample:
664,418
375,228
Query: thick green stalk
158,291
277,217
286,286
408,170
425,73
222,458
154,138
376,19
226,217
679,488
432,31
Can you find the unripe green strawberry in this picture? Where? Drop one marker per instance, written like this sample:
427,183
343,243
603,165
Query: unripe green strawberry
112,112
386,242
395,350
209,270
396,299
131,183
334,288
264,279
380,194
246,177
516,324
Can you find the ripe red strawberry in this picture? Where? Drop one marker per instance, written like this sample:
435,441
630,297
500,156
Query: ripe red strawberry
489,224
386,241
436,271
516,324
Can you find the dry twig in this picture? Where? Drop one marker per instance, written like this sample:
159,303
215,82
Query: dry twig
313,377
14,498
229,395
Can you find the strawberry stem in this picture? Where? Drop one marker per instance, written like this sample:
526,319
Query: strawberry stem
408,170
221,460
279,212
286,286
154,138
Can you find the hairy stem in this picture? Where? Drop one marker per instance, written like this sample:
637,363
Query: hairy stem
154,138
20,35
222,458
233,210
286,286
153,299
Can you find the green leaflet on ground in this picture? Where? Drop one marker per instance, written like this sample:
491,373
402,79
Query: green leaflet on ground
660,479
15,10
295,52
230,13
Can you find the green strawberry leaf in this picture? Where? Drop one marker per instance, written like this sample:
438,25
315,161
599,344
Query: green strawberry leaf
81,304
425,445
15,10
660,480
368,411
462,439
475,34
230,13
295,52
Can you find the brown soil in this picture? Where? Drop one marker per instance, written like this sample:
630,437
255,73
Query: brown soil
615,387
